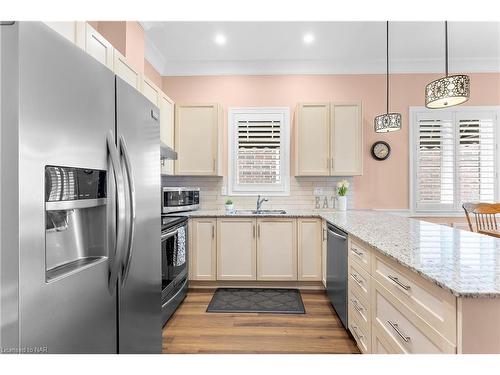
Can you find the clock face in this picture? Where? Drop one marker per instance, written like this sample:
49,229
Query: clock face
381,150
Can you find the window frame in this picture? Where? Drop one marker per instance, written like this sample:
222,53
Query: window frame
450,113
236,189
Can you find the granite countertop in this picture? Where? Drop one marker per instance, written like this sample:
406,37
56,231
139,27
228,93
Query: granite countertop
467,264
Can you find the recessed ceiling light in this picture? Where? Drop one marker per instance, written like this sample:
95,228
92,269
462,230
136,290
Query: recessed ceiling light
308,38
220,39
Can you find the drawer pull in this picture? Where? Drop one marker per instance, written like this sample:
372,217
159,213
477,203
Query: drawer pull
356,305
398,283
398,331
357,252
356,278
358,335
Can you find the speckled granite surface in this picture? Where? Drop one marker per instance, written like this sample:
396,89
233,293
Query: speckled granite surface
467,264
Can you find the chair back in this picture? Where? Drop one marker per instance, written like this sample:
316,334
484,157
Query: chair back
483,215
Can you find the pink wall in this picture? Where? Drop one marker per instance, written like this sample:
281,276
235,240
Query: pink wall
152,74
383,184
126,36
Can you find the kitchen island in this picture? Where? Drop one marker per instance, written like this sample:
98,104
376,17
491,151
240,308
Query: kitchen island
443,284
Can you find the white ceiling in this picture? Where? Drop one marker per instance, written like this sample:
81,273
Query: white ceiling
188,48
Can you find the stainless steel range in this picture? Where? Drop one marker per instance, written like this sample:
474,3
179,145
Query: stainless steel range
174,256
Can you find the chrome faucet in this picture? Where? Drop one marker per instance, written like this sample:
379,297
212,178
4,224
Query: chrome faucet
259,202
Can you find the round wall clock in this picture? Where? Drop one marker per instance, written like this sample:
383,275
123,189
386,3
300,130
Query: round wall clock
380,150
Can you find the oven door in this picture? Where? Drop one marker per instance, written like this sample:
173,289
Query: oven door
174,253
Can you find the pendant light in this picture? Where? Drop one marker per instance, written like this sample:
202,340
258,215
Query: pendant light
449,90
388,122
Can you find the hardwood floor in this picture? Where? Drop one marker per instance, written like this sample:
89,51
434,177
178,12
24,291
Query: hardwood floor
192,330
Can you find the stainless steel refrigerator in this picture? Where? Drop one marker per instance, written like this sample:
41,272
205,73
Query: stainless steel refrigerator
80,264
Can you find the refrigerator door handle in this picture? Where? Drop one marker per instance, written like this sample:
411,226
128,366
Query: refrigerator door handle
120,211
131,212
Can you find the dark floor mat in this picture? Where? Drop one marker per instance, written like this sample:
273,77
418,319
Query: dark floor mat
253,300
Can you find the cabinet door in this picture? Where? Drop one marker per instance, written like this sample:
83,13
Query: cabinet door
346,139
202,249
236,249
150,91
98,47
312,139
323,252
167,129
71,30
276,249
310,243
196,139
125,71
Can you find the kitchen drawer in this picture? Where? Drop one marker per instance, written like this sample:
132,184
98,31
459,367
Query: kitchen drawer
358,280
361,336
381,343
360,254
404,329
432,303
359,309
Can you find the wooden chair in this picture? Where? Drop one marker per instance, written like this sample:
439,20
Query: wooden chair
484,217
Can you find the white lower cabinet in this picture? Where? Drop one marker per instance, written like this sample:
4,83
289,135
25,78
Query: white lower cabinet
395,310
236,249
202,256
276,249
310,249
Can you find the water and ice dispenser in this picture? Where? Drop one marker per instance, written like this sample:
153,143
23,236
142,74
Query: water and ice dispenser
75,219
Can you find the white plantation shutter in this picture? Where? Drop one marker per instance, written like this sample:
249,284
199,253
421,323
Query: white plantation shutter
435,164
455,158
476,160
259,150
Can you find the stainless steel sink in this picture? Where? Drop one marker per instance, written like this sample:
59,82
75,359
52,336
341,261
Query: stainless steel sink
260,212
270,212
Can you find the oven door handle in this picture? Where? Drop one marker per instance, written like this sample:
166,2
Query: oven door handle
177,293
173,231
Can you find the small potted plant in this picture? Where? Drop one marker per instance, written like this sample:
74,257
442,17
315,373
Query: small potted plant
342,187
229,205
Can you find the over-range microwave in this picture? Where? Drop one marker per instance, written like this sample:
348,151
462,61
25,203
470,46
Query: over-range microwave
177,199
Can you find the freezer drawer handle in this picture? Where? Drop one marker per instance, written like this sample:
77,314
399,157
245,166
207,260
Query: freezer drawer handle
398,331
396,281
120,215
131,209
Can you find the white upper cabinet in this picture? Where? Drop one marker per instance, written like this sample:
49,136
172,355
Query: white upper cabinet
151,91
198,133
72,30
167,111
328,139
98,47
346,139
312,139
126,71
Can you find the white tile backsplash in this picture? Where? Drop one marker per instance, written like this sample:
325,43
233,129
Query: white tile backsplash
301,193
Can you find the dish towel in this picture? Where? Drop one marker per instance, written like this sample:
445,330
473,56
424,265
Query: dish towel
180,254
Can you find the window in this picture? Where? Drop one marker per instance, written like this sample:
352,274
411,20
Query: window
259,151
453,157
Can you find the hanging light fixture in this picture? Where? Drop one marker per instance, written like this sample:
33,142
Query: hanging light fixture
388,122
449,90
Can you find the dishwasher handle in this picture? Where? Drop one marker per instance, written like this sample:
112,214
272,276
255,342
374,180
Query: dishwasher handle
343,238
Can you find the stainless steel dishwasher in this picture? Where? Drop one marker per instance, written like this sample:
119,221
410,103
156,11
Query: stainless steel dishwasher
336,271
